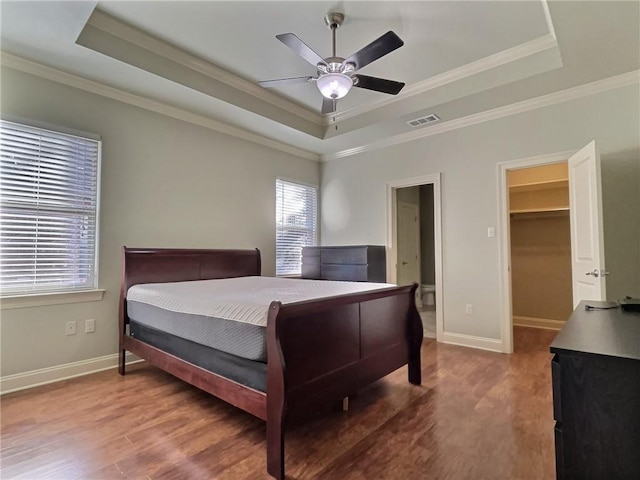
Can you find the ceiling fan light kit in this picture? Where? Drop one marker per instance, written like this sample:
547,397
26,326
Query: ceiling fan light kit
336,75
334,85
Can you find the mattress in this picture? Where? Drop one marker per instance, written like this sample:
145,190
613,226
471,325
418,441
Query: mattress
228,314
246,372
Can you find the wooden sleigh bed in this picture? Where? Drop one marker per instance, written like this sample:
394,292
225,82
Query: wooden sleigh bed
318,351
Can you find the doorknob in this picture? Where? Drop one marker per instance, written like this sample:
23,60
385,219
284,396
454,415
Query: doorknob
405,263
596,273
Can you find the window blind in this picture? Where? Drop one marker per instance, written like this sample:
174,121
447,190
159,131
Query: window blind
296,224
48,210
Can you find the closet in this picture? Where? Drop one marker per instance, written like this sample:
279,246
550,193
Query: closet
540,246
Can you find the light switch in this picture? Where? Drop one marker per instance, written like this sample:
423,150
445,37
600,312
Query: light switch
491,232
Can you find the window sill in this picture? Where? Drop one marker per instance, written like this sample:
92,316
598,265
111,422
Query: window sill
45,299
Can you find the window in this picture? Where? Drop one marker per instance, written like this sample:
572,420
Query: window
48,210
296,224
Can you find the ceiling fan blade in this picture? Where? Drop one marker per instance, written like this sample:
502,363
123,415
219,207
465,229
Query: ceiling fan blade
328,105
301,48
387,43
285,81
378,84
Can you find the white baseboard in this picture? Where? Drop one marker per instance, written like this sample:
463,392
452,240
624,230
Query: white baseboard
538,322
483,343
43,376
428,334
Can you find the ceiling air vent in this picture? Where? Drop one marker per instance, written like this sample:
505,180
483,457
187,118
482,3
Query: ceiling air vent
427,119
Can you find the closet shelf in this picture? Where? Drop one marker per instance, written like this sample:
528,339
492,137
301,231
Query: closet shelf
543,185
536,210
540,212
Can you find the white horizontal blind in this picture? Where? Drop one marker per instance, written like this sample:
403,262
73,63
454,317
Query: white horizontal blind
296,224
48,201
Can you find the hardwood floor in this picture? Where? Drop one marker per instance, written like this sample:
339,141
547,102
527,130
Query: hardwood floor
478,415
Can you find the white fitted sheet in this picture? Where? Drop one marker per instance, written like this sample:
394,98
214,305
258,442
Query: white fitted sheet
242,299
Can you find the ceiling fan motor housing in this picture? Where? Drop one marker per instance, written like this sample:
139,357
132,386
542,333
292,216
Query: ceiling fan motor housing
335,65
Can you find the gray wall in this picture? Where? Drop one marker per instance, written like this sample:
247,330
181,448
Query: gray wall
165,183
354,194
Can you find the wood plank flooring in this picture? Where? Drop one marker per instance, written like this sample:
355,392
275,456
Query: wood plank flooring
478,415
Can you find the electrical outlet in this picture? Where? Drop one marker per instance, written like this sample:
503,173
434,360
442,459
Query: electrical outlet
70,328
89,325
468,309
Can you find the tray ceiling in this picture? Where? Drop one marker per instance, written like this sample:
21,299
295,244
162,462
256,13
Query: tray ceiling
205,57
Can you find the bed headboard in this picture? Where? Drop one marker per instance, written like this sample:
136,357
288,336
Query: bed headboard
155,265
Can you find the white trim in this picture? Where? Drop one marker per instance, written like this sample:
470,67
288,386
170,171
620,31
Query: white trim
504,57
573,93
504,241
547,16
96,244
124,31
52,127
33,68
43,376
482,343
54,298
392,186
532,322
599,86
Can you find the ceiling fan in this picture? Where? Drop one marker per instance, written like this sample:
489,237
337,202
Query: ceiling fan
336,75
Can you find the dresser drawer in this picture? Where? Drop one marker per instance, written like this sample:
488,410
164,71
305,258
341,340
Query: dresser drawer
310,259
555,384
557,433
349,273
311,252
354,256
352,263
310,270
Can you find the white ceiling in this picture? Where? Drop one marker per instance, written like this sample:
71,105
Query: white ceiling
459,58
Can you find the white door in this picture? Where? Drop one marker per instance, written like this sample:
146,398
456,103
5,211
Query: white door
408,245
587,245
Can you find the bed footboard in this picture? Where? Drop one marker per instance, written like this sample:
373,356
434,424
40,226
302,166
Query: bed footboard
325,350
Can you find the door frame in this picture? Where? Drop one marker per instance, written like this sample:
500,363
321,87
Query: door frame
392,252
504,244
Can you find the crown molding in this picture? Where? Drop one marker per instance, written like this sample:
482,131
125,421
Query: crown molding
599,86
547,17
49,73
504,57
127,32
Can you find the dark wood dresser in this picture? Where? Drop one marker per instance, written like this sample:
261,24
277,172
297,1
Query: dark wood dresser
596,395
355,263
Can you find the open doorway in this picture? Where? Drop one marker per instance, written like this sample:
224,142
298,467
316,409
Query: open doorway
588,274
414,245
416,249
540,246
